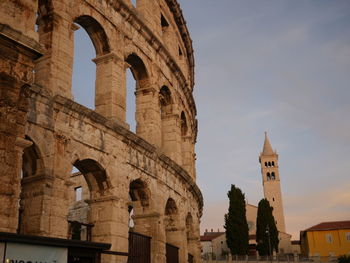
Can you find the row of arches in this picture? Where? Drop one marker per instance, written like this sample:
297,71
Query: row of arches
88,182
90,81
270,164
123,89
270,176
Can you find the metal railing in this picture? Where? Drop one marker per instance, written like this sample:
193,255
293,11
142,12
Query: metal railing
266,259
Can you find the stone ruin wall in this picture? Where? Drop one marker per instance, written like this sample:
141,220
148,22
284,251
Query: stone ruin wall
44,132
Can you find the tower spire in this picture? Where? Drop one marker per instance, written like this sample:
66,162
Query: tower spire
267,149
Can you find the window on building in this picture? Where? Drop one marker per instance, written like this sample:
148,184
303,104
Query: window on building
329,238
347,235
78,193
273,177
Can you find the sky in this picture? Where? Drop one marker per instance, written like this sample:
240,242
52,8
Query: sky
281,66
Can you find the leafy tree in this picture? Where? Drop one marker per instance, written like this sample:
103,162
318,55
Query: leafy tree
266,230
237,236
344,259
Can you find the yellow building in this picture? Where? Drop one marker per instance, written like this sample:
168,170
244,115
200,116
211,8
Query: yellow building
326,239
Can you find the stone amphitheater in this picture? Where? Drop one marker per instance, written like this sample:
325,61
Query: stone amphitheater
127,183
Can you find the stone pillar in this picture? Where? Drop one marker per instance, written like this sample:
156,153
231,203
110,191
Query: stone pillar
10,185
187,155
110,94
54,70
35,206
17,55
148,114
110,219
150,225
177,237
171,137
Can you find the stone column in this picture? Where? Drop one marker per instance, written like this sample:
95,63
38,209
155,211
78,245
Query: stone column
171,137
150,225
35,204
54,70
17,55
110,94
177,237
148,114
110,219
187,155
10,185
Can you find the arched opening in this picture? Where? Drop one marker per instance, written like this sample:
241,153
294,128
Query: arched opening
273,164
130,100
265,164
88,44
268,176
184,126
273,177
173,234
269,164
88,181
191,237
138,204
141,226
32,166
165,101
137,79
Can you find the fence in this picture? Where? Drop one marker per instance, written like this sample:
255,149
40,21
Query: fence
275,259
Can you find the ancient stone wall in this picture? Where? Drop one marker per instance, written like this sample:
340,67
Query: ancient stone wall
147,177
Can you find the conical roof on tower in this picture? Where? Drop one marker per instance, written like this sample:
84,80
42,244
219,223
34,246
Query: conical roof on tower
267,150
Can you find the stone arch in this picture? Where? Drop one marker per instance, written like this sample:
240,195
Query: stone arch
138,68
191,237
273,176
96,33
139,192
184,124
268,176
32,161
32,166
165,101
95,176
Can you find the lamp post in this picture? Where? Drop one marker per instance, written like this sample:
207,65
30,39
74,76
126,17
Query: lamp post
268,236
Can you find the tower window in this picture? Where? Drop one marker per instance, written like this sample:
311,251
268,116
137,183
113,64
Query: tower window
268,176
269,164
273,177
265,164
273,199
273,164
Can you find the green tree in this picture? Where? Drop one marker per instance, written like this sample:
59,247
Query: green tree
344,259
266,230
237,235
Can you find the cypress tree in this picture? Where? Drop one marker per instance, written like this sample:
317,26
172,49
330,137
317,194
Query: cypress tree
266,230
237,235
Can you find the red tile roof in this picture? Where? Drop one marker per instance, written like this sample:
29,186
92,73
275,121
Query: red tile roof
211,236
330,226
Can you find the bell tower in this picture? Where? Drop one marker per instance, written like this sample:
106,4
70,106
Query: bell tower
271,182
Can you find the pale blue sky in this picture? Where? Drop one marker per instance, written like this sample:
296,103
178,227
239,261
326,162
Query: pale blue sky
281,66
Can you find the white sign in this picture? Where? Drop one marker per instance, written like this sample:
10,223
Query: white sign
2,252
23,253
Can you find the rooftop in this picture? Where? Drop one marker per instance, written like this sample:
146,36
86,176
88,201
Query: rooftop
330,226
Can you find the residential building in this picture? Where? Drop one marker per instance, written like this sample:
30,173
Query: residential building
326,239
